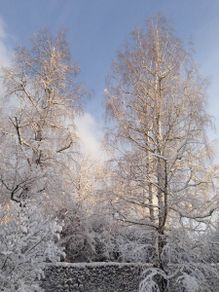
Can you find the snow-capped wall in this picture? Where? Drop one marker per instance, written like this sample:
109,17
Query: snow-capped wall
93,277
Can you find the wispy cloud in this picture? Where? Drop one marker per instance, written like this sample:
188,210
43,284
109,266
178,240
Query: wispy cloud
90,135
5,55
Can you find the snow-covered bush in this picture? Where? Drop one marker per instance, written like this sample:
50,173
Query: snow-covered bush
100,238
184,266
117,242
76,236
27,242
212,244
136,245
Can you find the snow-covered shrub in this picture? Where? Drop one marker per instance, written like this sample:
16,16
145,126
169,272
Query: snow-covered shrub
27,242
211,241
184,266
76,235
100,238
106,233
136,245
118,242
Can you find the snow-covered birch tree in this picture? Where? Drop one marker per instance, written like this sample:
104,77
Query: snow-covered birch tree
40,135
38,150
161,173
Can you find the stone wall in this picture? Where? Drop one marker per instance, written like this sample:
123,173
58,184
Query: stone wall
93,277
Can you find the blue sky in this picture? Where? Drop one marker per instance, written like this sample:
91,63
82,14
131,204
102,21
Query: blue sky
97,29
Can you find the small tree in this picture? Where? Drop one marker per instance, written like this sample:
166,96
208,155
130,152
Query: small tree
27,242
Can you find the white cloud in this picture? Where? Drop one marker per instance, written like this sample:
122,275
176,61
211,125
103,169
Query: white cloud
90,135
5,54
